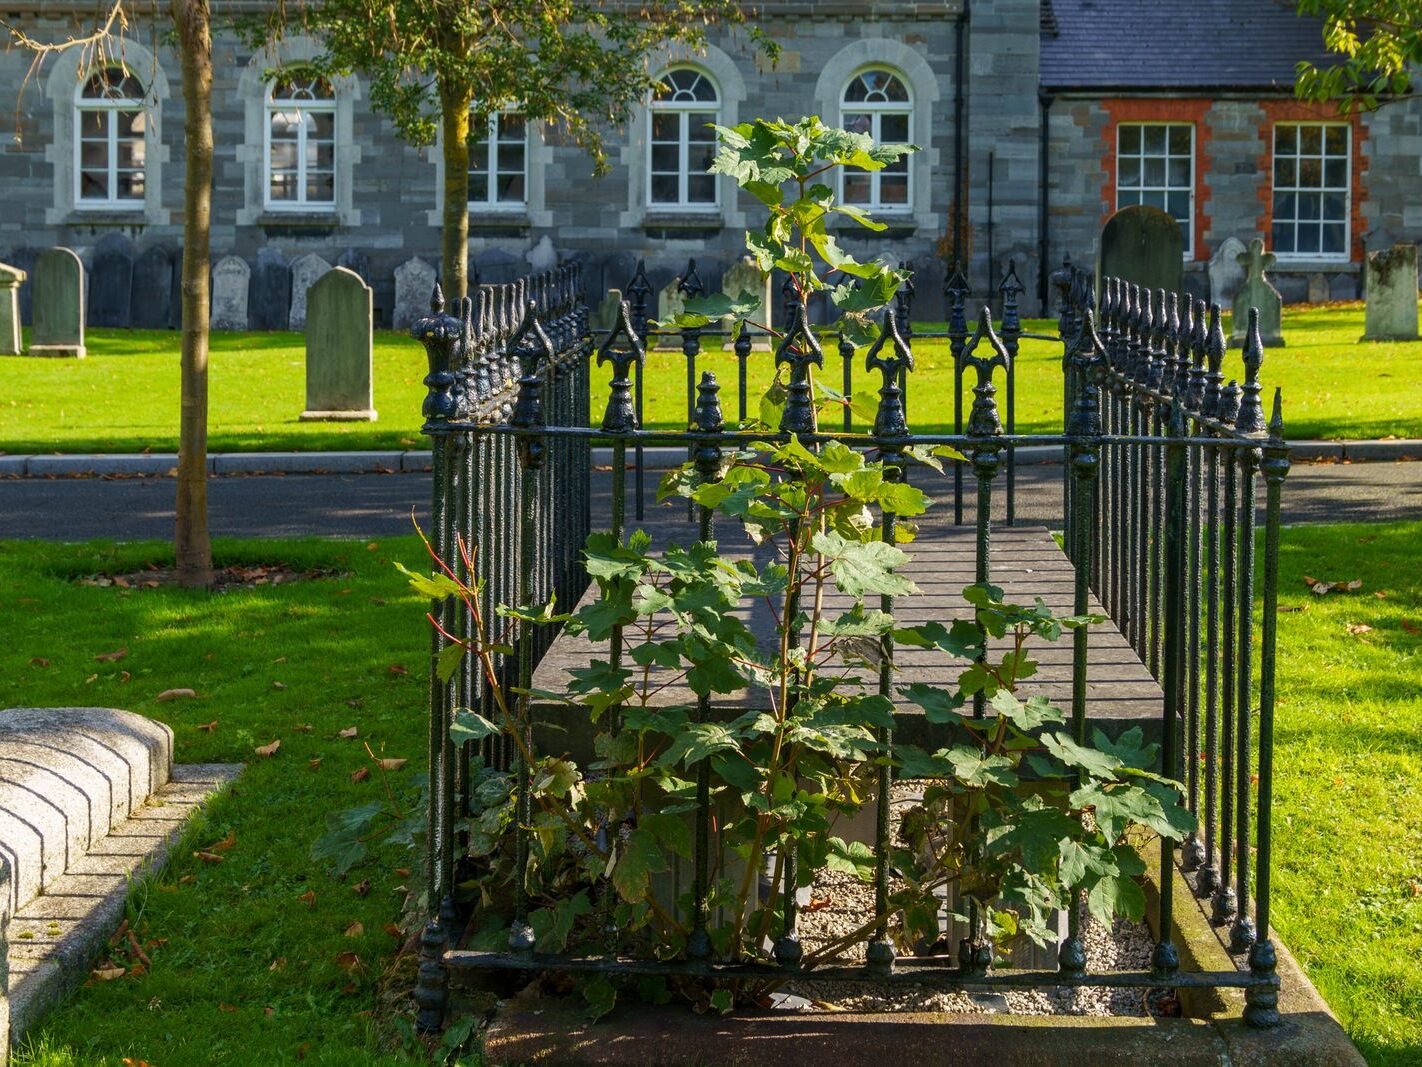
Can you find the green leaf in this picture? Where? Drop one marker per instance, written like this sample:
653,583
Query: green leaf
972,767
864,567
851,857
1097,764
962,639
341,846
860,216
939,705
448,661
436,586
469,725
673,831
639,857
723,1000
1032,714
601,997
697,741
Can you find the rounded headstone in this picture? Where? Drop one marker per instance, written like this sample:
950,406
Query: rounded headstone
1226,275
305,271
152,291
414,284
1143,245
269,298
111,281
58,302
231,279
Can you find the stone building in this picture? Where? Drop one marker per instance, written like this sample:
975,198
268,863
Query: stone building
1036,118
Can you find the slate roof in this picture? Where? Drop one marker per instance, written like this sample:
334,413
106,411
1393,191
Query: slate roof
1170,45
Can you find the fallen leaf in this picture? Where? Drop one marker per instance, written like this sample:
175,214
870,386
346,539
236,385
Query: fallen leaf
360,775
393,930
208,857
308,898
314,763
302,1049
1410,628
94,678
278,685
348,961
129,1061
208,726
819,903
39,661
1337,781
279,659
361,888
349,731
353,702
392,764
121,582
108,974
397,668
1380,594
124,676
355,929
303,728
402,872
1359,628
268,750
278,964
112,657
187,879
267,1010
225,845
1322,587
175,694
372,546
230,1009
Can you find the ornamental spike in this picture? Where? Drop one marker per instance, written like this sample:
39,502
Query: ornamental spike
890,420
623,348
1250,420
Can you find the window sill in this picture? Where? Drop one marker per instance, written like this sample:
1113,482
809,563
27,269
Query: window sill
298,220
107,216
1315,264
483,223
683,224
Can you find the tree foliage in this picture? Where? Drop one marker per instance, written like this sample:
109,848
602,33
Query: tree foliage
1379,42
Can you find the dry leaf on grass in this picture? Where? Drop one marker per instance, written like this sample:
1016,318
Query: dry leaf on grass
174,694
355,929
398,668
314,763
278,964
392,764
393,930
348,961
225,845
268,750
1322,587
1410,628
360,775
112,657
349,731
208,726
361,888
353,702
308,898
39,661
278,685
108,974
1357,629
208,857
230,1009
303,728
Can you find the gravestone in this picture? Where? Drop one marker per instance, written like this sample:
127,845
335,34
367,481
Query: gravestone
340,315
1390,294
542,256
231,279
353,259
24,259
744,278
11,279
1318,288
495,266
58,296
1343,287
111,282
1226,275
670,303
930,304
604,317
269,295
620,268
414,284
1143,245
1258,292
175,295
152,289
305,272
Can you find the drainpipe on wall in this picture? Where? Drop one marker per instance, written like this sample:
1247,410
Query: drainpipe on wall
958,203
1043,245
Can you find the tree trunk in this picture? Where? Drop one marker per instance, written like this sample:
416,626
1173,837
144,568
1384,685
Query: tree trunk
454,128
192,19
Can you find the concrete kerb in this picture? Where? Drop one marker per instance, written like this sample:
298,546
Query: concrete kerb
161,464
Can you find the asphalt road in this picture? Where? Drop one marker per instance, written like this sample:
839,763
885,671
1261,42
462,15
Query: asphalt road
379,505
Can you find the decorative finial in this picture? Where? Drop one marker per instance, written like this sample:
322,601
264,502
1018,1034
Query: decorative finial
890,420
799,348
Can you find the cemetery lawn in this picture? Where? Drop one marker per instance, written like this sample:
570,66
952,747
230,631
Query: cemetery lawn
123,397
252,971
264,957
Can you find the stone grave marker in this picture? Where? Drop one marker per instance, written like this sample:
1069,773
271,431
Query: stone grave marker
604,316
11,279
1226,275
269,295
356,260
414,283
1390,294
542,256
930,304
58,304
1143,245
152,289
230,281
111,282
305,272
619,269
496,266
670,303
745,277
340,315
1343,287
1318,288
1258,292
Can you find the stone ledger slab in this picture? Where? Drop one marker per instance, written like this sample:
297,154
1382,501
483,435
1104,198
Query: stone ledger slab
57,304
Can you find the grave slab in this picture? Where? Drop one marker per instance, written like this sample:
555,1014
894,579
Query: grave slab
152,289
57,287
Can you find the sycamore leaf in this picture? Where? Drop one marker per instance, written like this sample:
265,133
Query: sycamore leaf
174,694
268,750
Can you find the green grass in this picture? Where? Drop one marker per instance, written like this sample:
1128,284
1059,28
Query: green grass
250,973
1348,790
124,396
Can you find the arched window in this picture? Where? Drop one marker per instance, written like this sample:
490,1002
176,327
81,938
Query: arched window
112,146
498,163
301,143
682,143
877,102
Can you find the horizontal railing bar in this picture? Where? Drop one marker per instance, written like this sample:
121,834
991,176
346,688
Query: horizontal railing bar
931,970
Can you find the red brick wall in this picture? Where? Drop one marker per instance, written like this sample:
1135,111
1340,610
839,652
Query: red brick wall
1299,111
1150,110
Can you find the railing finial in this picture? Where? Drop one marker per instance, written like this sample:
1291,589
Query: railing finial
799,348
623,348
890,420
1251,411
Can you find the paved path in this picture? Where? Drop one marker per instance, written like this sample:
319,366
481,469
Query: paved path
376,505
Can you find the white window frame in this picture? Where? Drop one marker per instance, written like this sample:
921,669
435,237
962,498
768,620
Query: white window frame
491,204
110,107
300,205
1165,189
683,109
876,111
1320,191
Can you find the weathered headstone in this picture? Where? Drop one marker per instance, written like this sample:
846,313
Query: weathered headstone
414,282
340,310
58,295
1226,275
10,280
542,256
604,317
929,303
670,304
269,298
1258,292
305,272
743,278
620,268
152,289
1390,294
231,279
495,266
111,282
1343,286
1143,245
355,260
1318,288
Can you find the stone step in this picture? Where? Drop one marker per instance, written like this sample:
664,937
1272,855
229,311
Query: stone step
68,777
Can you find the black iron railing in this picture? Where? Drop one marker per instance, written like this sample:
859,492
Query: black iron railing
1162,461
